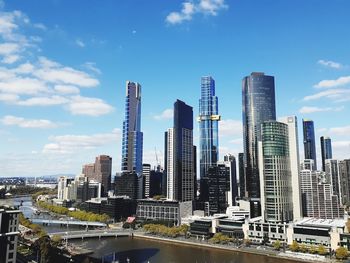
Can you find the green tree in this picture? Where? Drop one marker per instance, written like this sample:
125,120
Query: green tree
312,249
277,245
321,250
294,246
341,253
303,248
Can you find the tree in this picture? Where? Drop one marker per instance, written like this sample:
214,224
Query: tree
303,248
294,246
341,253
247,242
312,249
321,250
277,245
56,240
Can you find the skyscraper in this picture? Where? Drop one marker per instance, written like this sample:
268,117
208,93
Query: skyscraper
103,172
241,175
180,166
132,135
309,141
258,93
208,129
275,173
326,150
230,162
344,171
333,176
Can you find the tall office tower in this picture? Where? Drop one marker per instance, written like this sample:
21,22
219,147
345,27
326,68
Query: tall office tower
180,154
294,160
208,130
230,161
326,150
132,136
219,185
195,188
258,92
344,171
103,172
127,184
146,174
9,223
155,183
165,175
242,192
275,173
332,176
89,170
309,141
317,197
62,187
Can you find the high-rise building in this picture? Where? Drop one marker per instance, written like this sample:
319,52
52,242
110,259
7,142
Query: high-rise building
127,184
333,176
208,129
9,223
344,171
180,164
258,92
230,162
132,136
317,197
241,175
308,164
103,172
293,142
275,173
219,186
146,174
326,150
309,141
89,170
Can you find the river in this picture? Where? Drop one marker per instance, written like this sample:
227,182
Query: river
138,250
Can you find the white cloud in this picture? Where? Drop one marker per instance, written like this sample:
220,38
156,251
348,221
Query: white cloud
80,43
74,143
230,127
341,149
333,83
306,109
338,95
10,59
43,101
342,131
9,48
190,8
27,123
88,106
23,85
66,89
5,97
330,64
40,26
165,115
92,66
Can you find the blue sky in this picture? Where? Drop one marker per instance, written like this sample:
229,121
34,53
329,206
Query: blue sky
64,64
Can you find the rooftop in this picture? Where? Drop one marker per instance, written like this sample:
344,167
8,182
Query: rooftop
317,222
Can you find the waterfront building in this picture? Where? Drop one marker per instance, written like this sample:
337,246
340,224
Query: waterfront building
163,210
275,173
87,189
232,194
309,141
294,160
127,184
132,141
344,170
242,192
208,130
9,222
146,174
258,106
332,176
326,150
103,172
63,184
318,199
180,166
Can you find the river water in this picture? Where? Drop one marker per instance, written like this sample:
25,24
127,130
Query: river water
137,250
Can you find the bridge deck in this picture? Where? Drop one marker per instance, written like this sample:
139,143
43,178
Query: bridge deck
92,234
69,222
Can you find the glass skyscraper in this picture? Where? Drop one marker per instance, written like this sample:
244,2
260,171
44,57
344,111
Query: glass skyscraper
326,150
258,93
309,141
208,128
132,135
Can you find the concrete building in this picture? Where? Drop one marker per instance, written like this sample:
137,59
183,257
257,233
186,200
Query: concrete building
309,141
232,194
326,150
344,170
127,184
331,167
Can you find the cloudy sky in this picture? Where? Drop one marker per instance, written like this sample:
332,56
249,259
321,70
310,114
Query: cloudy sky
64,64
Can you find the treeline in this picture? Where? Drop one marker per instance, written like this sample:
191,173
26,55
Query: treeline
36,229
165,231
31,190
80,215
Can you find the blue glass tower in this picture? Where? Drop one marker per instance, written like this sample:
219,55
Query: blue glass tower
258,94
132,136
326,150
208,129
309,141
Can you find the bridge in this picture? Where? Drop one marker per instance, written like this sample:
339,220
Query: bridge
67,222
93,234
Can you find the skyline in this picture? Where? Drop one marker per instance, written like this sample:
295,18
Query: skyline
78,70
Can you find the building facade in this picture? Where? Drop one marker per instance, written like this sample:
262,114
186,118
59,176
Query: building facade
326,150
208,129
232,194
333,176
258,92
242,192
132,142
309,141
127,184
344,170
103,172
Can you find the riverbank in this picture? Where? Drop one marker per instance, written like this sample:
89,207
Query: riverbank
255,251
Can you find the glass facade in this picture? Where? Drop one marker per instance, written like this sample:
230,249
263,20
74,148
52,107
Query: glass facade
277,183
132,143
258,105
309,141
208,129
326,150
